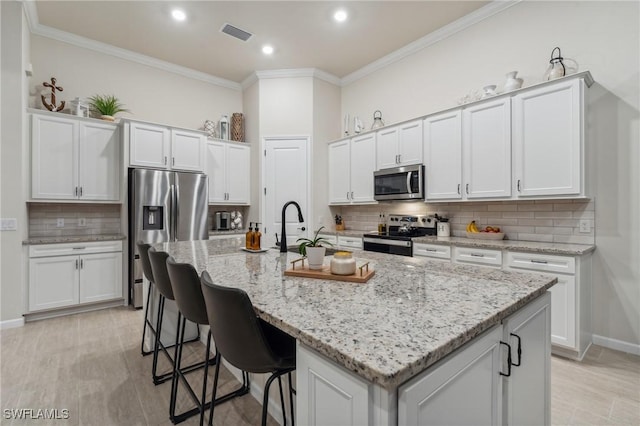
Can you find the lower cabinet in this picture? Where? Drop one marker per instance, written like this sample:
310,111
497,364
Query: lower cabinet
502,377
63,275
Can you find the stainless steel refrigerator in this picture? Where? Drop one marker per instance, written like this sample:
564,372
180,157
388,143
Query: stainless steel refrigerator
163,206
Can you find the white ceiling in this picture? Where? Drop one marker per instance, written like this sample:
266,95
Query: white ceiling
303,33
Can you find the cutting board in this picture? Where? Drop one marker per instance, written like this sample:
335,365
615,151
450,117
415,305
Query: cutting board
325,274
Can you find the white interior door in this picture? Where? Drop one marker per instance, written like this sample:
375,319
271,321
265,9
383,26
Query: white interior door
286,178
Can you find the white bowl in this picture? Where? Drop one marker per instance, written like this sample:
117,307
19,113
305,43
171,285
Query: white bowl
486,235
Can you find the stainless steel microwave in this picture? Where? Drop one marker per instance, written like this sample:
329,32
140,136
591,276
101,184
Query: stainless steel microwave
399,183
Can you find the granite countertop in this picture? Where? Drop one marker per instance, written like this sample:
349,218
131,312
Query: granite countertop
72,239
230,232
413,312
524,246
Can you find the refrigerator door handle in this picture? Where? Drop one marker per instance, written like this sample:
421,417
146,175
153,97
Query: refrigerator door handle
176,210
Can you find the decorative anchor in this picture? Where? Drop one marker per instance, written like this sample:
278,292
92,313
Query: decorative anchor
52,106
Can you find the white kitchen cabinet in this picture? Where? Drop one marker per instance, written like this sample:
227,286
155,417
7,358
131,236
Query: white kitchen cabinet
349,242
465,388
477,256
527,393
435,251
571,297
328,394
486,150
74,159
400,145
228,167
502,377
548,134
157,146
443,156
351,166
69,274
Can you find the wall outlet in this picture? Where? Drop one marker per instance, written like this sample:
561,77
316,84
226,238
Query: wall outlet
60,223
82,221
585,226
8,224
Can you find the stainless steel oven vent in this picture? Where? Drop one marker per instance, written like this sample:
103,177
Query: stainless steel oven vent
236,32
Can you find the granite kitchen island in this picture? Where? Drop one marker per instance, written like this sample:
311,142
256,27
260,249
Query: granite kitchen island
367,353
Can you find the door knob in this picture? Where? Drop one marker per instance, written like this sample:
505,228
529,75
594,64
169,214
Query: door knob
302,228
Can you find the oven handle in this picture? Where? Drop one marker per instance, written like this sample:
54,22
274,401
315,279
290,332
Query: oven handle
398,243
409,182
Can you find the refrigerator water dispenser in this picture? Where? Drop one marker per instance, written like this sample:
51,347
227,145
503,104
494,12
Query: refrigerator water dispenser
152,217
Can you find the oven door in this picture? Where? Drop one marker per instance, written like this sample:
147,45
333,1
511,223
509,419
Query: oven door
400,183
382,245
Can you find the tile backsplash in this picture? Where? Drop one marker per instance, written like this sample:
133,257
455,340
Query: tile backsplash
541,220
100,219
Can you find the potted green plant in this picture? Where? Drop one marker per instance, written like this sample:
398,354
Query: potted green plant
107,106
313,249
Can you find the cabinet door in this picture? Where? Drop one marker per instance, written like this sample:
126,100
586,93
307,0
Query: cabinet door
238,173
187,150
387,148
216,171
563,312
487,149
527,389
327,394
443,156
410,143
149,145
54,158
463,389
99,164
100,277
53,282
547,134
363,164
339,172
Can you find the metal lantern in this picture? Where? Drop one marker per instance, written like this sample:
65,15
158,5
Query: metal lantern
556,67
224,127
377,120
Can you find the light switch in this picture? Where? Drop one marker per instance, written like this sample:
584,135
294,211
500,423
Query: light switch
585,226
9,224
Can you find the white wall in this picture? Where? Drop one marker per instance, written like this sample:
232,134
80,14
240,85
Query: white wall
13,157
602,37
251,105
149,93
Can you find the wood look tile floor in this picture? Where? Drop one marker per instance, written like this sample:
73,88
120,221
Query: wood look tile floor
91,365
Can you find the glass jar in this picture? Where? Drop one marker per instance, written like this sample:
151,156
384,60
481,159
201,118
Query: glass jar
343,263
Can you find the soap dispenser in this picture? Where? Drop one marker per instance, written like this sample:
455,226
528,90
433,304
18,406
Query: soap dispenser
257,235
249,237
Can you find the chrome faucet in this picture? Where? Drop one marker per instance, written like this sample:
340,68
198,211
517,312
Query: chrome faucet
283,234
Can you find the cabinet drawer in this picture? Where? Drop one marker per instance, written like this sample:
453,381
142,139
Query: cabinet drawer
478,256
352,242
541,262
66,249
432,250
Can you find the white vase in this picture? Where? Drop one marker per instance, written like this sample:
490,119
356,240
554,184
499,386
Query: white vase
512,82
315,257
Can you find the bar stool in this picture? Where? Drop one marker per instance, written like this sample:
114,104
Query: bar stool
157,260
246,341
188,296
143,249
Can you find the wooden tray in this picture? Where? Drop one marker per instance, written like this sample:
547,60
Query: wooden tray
325,273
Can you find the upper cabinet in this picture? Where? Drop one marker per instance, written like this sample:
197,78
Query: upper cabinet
351,166
74,159
399,145
486,149
228,168
157,146
548,140
443,156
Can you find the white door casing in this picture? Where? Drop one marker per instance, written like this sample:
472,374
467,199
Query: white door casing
286,175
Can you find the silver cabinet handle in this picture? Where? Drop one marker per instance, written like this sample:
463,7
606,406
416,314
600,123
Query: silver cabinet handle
458,189
76,263
81,191
78,248
518,185
76,192
542,262
467,188
476,255
81,263
431,250
352,195
173,161
399,158
347,195
165,159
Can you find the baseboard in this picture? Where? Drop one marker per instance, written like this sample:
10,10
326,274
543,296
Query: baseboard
78,309
14,323
618,345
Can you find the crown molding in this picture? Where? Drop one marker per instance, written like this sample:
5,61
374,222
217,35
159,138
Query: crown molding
299,72
466,21
107,49
247,82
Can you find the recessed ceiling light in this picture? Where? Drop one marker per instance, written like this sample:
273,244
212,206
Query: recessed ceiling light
267,50
340,15
178,15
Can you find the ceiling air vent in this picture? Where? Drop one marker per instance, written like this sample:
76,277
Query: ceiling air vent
236,32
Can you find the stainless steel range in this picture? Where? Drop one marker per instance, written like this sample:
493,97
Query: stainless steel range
400,230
